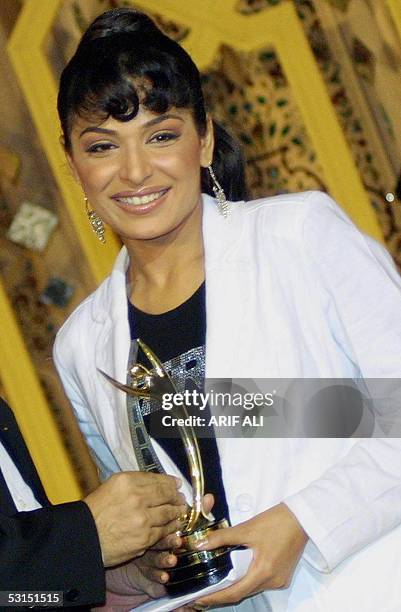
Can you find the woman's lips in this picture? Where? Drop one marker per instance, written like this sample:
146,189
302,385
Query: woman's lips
142,202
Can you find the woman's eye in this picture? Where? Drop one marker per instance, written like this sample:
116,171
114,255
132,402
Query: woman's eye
100,147
163,137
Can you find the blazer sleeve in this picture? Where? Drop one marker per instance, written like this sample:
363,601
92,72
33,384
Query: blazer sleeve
66,366
55,548
358,499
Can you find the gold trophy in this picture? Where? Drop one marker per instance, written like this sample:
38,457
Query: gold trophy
195,569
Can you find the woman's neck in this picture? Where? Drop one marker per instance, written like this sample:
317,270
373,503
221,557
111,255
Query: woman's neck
165,272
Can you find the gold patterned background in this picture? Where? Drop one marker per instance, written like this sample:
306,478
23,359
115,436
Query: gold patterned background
357,49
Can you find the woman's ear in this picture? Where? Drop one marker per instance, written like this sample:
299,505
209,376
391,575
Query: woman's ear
73,169
207,143
70,161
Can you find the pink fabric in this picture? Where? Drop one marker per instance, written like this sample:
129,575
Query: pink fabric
125,586
122,603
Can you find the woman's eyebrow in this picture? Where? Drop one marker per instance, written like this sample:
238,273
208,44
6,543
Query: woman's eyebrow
161,118
152,122
98,130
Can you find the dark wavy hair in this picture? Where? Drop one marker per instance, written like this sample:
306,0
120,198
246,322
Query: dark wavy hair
123,61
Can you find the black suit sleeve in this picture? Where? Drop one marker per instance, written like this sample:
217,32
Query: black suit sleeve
55,548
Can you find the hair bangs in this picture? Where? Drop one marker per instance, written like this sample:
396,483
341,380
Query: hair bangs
117,90
115,74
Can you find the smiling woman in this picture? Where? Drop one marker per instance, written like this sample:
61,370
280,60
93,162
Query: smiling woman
142,177
278,287
139,141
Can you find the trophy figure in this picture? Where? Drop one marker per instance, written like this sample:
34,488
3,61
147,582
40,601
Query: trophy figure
195,569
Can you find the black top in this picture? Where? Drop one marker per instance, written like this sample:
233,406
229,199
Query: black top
177,337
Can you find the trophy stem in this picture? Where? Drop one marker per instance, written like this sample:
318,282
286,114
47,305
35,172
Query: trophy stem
195,470
187,435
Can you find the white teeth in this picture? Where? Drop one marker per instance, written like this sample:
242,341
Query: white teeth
146,199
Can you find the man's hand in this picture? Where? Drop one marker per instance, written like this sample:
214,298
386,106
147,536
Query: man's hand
277,540
134,510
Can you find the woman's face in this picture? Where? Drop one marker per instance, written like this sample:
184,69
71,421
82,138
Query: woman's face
143,176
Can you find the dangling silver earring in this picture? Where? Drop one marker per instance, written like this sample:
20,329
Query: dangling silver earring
95,221
222,204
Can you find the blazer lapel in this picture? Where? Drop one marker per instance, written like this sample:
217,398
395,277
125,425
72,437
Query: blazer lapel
112,352
226,278
7,505
14,444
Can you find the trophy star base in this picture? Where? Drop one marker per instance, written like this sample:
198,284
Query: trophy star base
196,570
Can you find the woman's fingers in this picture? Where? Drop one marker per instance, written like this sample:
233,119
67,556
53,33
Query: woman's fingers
230,536
277,541
208,502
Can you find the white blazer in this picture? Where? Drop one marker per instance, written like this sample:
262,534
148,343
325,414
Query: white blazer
293,290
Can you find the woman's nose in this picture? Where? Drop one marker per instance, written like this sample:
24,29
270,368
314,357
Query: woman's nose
135,167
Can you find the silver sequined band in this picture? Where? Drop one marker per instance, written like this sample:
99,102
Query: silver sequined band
188,366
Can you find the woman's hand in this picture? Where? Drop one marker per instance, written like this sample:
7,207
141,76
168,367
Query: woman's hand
277,540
